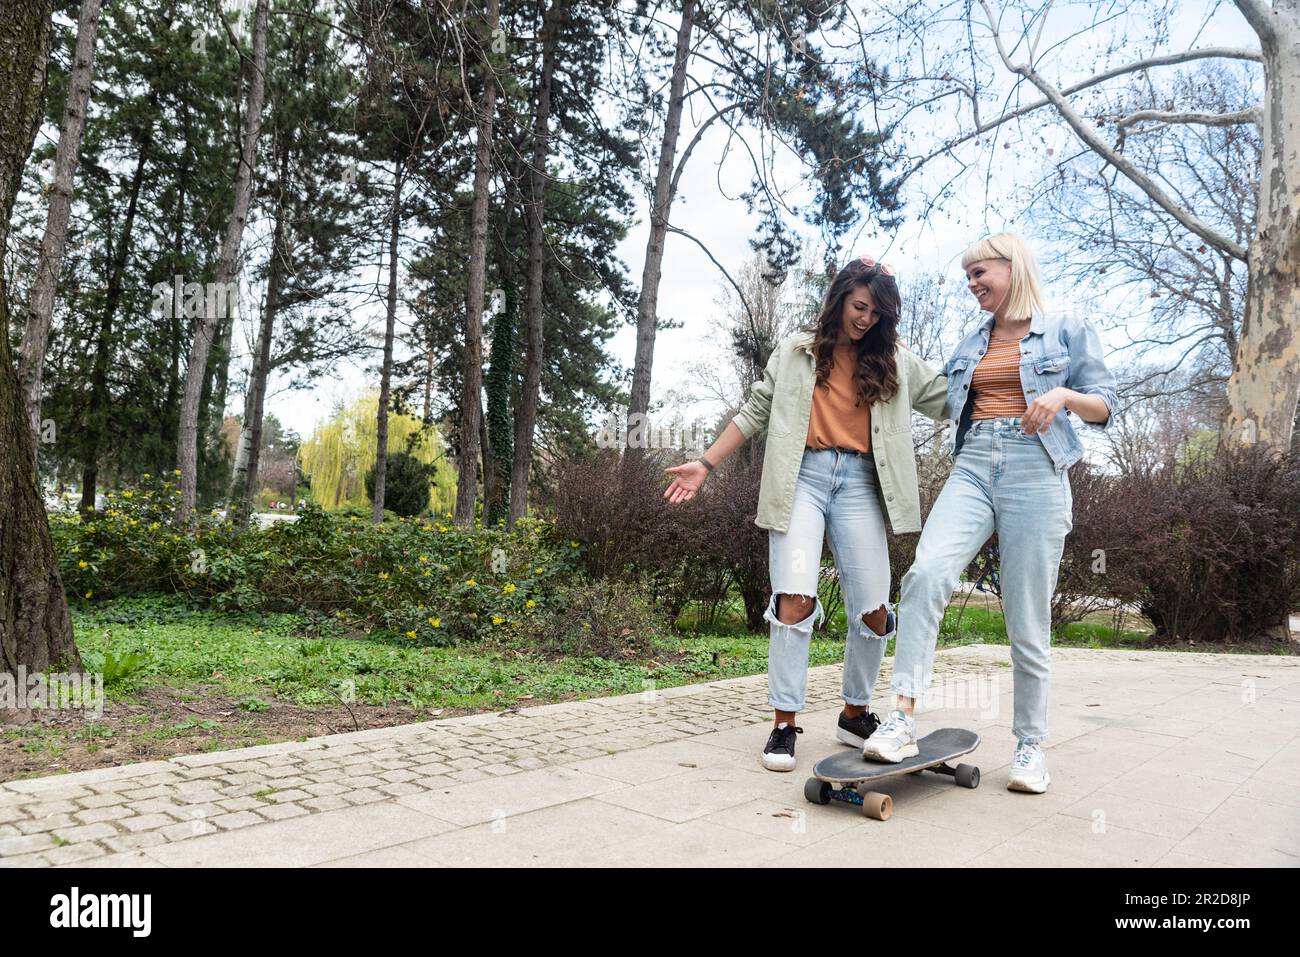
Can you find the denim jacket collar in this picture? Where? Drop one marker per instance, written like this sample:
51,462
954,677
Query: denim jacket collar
1035,324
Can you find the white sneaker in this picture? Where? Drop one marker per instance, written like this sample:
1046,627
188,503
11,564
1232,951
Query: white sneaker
1029,770
892,741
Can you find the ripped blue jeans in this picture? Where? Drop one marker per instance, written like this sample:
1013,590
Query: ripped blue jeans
837,497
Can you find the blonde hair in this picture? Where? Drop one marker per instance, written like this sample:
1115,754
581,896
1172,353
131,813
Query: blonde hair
1025,297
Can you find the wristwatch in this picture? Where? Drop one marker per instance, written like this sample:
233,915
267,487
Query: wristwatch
706,463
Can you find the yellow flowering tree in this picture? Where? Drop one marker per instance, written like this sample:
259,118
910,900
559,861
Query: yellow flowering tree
342,449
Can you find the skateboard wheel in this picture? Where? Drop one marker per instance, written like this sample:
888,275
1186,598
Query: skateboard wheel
877,806
968,776
817,791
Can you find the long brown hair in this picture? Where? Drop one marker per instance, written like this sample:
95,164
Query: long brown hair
876,371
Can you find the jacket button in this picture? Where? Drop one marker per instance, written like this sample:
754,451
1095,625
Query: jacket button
889,498
876,430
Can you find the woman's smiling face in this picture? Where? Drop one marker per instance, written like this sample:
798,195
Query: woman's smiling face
858,315
989,280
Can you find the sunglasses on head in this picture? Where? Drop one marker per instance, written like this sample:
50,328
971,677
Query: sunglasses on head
870,263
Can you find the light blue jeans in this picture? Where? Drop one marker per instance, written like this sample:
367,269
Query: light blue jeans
837,497
1003,481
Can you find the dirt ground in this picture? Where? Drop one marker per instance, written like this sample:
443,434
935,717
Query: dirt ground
164,722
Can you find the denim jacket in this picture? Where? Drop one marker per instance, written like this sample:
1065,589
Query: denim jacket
782,403
1057,351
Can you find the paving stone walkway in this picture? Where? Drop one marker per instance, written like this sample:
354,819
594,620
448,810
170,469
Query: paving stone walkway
1156,759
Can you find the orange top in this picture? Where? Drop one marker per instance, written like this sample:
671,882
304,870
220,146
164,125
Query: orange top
837,420
996,381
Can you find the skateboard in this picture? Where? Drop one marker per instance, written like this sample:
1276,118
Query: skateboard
847,776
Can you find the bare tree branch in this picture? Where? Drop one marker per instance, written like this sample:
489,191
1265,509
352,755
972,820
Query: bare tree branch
1086,132
1254,114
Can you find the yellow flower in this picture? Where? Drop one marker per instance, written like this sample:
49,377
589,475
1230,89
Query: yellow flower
436,622
89,593
83,564
471,583
442,528
497,619
537,570
383,576
424,558
426,574
147,475
410,634
530,604
509,588
573,544
127,494
176,472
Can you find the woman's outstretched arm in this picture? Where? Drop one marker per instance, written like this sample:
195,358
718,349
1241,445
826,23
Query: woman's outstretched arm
688,478
751,418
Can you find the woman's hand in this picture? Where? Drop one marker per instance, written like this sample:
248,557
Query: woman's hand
687,480
1040,413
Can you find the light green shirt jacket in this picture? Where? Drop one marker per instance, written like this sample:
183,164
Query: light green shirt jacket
782,404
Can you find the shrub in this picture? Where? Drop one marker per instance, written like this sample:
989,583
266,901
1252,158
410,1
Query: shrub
693,551
406,484
423,581
1209,551
606,619
1081,586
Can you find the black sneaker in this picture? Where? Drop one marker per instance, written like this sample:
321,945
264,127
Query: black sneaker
855,731
779,753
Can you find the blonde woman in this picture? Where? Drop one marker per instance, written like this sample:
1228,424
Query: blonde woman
1013,384
836,401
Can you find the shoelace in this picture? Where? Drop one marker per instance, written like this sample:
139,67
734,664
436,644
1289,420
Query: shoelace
785,736
891,725
1024,756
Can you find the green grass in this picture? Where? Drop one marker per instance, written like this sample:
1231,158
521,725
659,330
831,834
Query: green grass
254,658
257,658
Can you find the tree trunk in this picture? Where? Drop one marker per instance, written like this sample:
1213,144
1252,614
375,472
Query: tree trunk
1264,387
498,459
243,486
490,479
35,628
647,310
497,465
176,325
472,370
248,455
535,211
31,365
386,373
93,427
227,269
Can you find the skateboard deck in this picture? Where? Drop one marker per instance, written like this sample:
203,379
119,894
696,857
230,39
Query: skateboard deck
847,776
